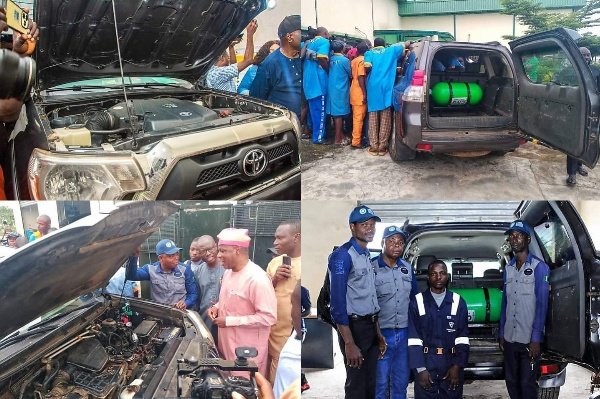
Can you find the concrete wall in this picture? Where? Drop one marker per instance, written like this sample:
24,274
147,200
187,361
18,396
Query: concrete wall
324,225
355,18
268,22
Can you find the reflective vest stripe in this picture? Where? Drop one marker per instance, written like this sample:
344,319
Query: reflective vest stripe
420,304
461,340
415,342
455,301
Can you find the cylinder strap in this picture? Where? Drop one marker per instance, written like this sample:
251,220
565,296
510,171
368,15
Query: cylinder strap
487,305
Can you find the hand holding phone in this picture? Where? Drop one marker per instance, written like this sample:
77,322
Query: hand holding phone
287,261
17,18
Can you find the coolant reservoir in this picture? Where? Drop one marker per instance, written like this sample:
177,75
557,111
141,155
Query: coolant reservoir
456,93
79,136
483,304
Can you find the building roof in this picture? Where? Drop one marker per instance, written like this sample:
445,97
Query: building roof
439,7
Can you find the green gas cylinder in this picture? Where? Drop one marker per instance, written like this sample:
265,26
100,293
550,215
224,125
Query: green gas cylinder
483,304
456,93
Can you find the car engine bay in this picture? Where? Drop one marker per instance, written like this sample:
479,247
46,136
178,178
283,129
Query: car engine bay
113,124
123,350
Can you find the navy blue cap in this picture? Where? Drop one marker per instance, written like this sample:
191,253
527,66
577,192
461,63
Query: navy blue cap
392,230
361,214
520,226
166,246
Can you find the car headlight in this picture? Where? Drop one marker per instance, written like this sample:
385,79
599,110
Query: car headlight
55,176
295,121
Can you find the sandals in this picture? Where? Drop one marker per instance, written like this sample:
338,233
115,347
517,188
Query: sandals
382,153
372,151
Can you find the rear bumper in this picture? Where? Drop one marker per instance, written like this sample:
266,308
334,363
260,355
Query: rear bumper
470,140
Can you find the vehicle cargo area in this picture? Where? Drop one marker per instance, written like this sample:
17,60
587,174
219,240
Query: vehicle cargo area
470,89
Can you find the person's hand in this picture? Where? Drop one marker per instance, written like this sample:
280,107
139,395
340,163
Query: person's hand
24,43
219,321
264,388
3,24
136,252
424,380
382,345
353,356
181,305
283,273
452,376
501,344
252,27
213,313
534,350
235,41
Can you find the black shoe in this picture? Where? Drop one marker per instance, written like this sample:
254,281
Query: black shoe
582,171
571,180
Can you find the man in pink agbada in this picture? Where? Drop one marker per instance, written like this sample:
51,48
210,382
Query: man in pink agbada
247,306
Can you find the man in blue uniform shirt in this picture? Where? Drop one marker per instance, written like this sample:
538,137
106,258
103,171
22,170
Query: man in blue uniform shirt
523,314
395,284
438,337
354,305
171,282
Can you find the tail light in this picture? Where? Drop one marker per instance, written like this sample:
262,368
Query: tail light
415,92
424,147
549,369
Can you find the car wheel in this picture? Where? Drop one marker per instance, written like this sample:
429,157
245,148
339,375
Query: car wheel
548,393
400,151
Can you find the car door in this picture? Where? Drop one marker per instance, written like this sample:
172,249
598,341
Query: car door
571,331
558,100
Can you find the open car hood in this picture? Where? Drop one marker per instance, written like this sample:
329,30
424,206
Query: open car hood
175,38
74,260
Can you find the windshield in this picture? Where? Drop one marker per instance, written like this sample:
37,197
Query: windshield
112,83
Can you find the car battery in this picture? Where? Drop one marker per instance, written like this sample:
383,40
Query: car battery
146,330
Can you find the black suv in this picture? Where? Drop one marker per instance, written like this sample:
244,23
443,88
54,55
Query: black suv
476,254
493,99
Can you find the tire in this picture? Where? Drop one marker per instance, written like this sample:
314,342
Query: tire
399,151
548,393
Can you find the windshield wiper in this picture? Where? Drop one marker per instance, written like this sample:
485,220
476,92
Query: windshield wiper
133,85
81,88
61,315
42,326
22,336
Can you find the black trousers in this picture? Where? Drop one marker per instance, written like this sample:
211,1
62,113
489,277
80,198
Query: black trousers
572,165
360,383
521,380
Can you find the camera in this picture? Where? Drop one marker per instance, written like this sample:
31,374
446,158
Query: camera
18,75
208,380
212,384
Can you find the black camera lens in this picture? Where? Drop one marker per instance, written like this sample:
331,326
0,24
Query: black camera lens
18,75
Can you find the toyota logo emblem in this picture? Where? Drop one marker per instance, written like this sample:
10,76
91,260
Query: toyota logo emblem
254,162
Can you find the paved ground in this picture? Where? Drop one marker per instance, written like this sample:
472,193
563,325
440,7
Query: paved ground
329,384
531,172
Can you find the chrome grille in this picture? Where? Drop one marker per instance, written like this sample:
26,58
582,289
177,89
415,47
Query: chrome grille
217,173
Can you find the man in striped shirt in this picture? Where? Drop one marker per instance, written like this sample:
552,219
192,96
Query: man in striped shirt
222,75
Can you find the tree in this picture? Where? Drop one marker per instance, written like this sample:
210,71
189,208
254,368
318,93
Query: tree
6,215
531,14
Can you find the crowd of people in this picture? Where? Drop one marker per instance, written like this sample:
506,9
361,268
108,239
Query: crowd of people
348,84
387,329
241,303
273,73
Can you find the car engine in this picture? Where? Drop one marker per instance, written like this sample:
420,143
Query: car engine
139,122
103,360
